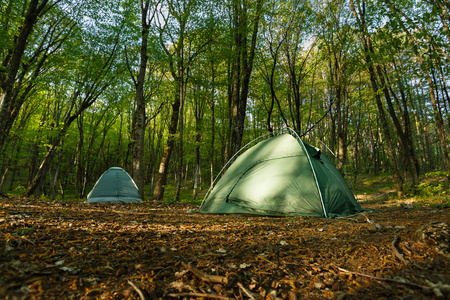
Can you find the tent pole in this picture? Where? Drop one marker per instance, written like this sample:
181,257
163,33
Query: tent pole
286,129
312,169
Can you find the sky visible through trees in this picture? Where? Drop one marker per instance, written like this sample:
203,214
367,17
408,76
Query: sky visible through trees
169,90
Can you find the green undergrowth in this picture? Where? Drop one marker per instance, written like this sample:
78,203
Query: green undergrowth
374,184
433,190
186,196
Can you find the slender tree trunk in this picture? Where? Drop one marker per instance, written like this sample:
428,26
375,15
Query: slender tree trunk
36,185
16,144
180,137
384,124
158,192
295,88
55,179
156,151
434,103
296,73
337,68
138,169
242,68
34,157
213,123
79,159
8,162
420,137
446,96
179,62
139,136
407,159
198,141
439,123
236,134
120,159
411,155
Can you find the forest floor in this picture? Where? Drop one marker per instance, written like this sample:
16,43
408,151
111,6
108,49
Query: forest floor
75,250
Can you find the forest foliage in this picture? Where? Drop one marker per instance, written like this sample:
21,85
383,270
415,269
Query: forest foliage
171,89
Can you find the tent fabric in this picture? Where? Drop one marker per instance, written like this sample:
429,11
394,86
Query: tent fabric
282,176
114,186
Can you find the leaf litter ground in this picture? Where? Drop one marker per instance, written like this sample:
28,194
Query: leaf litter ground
56,250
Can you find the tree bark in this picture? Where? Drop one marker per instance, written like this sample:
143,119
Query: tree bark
139,124
180,136
198,113
213,122
242,68
158,192
79,159
197,182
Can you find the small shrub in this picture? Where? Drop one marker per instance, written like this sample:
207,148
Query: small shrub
430,189
19,190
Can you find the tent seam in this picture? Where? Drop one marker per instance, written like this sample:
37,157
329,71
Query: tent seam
312,169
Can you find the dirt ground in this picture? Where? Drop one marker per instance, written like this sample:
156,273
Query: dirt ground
55,250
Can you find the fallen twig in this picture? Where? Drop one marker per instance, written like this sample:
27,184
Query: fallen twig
438,289
276,265
382,279
397,253
245,291
25,239
208,296
141,295
206,277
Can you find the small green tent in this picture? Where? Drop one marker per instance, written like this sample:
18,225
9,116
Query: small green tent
282,176
114,186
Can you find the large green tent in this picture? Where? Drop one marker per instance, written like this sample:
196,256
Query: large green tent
114,186
282,176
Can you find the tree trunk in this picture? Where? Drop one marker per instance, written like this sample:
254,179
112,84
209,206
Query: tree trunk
439,123
139,128
8,162
16,144
54,181
158,192
180,138
155,151
337,69
198,140
79,159
384,124
138,169
408,160
213,121
434,103
242,68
